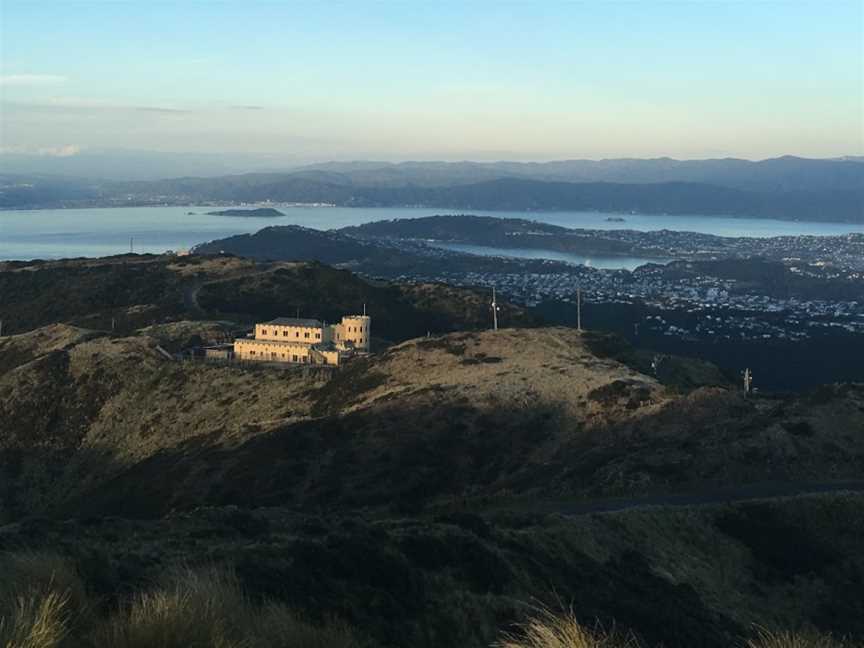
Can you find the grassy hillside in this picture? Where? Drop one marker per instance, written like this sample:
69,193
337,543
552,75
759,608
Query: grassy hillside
681,577
108,425
431,495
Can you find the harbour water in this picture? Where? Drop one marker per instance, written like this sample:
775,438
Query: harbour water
61,233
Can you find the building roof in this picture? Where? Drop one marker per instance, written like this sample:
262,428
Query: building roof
296,321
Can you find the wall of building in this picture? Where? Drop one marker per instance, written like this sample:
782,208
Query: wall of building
283,333
355,331
278,351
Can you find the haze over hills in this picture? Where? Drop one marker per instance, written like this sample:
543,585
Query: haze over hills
783,173
786,188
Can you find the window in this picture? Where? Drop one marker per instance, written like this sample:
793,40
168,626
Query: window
297,334
318,336
294,358
284,333
306,334
263,331
251,353
273,355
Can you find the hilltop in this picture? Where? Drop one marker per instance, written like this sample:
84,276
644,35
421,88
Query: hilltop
128,292
525,412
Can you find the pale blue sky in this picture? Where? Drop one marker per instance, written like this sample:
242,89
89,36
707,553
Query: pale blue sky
398,80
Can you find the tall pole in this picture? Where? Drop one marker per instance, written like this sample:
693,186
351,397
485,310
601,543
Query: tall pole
579,309
748,381
494,310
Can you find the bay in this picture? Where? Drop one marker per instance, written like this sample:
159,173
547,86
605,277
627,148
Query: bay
63,233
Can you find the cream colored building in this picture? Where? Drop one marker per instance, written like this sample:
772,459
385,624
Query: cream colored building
306,341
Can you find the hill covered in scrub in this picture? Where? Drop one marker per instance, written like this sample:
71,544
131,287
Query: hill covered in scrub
107,425
128,292
428,495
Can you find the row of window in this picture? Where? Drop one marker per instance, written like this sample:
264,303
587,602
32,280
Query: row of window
296,334
294,357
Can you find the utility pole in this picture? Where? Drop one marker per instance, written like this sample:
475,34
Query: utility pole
494,310
748,381
579,309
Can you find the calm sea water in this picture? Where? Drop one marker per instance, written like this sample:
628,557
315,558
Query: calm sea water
52,234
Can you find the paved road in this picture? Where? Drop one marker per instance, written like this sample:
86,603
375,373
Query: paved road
190,296
724,496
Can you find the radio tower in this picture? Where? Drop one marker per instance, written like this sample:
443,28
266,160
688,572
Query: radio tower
748,381
494,311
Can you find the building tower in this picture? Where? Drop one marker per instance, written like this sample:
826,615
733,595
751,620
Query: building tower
356,331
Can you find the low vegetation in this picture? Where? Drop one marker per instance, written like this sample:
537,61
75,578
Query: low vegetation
548,630
43,604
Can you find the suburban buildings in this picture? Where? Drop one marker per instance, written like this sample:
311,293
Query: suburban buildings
306,341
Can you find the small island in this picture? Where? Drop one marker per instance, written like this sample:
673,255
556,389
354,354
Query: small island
615,219
263,212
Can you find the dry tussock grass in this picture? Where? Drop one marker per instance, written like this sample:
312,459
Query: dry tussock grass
42,600
784,639
43,604
548,630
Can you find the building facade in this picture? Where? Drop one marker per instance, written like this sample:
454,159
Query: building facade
306,341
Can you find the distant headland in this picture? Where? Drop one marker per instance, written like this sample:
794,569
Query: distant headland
263,212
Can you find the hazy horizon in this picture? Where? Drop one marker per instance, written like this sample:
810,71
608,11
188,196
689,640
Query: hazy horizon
392,81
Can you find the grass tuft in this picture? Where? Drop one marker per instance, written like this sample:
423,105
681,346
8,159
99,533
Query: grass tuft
207,608
548,630
43,604
785,639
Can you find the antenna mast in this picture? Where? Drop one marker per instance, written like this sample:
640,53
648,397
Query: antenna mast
494,310
579,309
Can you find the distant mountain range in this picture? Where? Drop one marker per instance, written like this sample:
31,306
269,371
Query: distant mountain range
786,188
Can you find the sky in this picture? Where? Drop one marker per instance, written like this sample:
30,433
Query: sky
434,80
